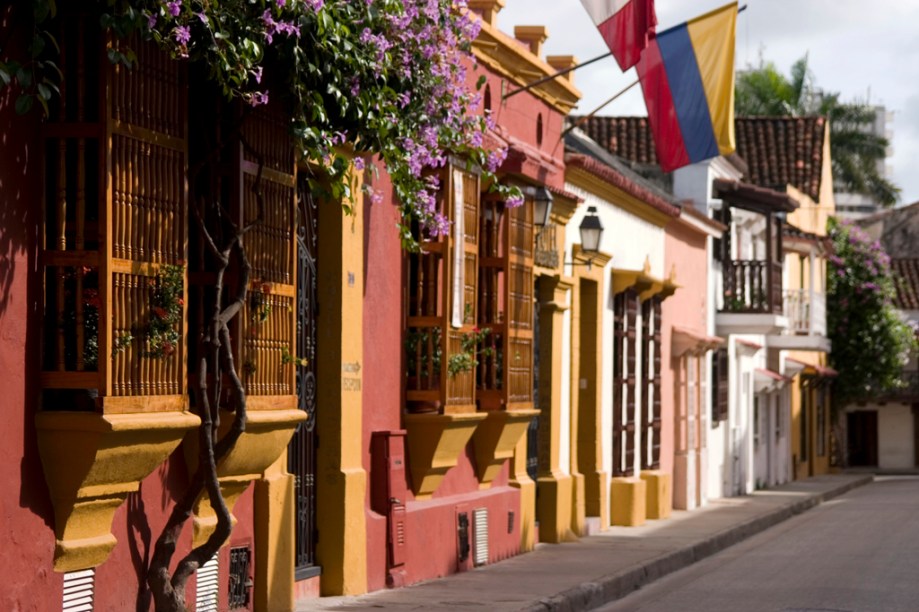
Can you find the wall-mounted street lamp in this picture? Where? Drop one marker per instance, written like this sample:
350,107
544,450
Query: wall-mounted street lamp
591,230
542,206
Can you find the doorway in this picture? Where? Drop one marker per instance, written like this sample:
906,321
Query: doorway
301,454
862,428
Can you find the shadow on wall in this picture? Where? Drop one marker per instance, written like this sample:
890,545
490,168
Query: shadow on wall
20,290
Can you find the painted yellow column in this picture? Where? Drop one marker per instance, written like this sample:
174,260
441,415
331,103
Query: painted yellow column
578,508
587,332
274,539
341,481
521,480
554,502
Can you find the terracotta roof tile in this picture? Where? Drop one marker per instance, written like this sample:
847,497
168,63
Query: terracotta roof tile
783,151
906,273
779,151
627,137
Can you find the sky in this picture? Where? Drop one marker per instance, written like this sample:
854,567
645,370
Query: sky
864,50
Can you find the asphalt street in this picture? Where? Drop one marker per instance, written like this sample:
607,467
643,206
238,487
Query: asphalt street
856,553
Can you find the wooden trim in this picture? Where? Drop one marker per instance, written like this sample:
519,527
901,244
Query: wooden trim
271,402
68,380
148,136
283,178
61,259
125,404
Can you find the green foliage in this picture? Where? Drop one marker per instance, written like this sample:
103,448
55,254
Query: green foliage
871,342
467,358
381,78
854,150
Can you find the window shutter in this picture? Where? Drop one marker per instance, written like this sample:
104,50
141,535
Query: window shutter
719,386
432,306
505,377
115,216
619,382
631,308
266,339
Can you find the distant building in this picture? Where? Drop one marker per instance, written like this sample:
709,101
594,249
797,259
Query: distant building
859,205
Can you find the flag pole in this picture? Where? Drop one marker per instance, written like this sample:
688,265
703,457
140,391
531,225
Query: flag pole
552,77
583,119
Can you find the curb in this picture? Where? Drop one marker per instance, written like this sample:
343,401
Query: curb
593,594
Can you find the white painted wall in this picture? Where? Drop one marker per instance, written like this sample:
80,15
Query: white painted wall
895,437
630,239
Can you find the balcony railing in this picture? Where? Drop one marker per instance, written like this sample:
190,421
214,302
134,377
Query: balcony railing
806,312
752,286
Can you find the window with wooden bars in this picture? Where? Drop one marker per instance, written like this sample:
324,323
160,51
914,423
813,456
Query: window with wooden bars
115,227
440,301
651,383
505,373
719,386
625,322
251,181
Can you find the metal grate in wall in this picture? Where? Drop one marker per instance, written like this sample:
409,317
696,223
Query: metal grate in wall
79,591
480,524
240,578
206,590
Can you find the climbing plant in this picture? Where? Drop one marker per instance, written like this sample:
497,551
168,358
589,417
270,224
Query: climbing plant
871,341
363,79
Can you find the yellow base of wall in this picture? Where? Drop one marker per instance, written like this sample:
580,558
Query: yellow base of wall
660,493
553,508
628,498
274,539
596,497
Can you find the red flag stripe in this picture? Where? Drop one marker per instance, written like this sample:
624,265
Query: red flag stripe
665,125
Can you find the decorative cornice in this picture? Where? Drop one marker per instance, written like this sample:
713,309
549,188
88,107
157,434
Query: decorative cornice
588,177
507,57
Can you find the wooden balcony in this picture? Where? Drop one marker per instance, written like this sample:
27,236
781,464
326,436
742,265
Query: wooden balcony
753,286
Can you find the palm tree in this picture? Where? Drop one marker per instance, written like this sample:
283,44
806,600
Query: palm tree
855,150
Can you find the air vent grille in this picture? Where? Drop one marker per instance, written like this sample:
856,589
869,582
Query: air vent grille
206,591
79,591
480,520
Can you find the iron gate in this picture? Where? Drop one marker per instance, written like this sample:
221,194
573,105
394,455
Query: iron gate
301,460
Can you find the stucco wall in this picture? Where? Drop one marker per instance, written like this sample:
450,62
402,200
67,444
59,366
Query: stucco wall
895,437
685,253
26,515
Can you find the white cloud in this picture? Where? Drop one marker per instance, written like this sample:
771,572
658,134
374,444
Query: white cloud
852,46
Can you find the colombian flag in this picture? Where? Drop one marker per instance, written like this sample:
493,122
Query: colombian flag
687,78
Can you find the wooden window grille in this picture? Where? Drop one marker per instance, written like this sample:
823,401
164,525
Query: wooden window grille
440,301
720,383
651,383
256,159
625,320
505,372
116,149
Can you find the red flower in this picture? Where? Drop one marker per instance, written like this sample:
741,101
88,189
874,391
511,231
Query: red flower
159,312
168,348
266,288
180,302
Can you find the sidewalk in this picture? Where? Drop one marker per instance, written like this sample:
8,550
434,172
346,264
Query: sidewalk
604,567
